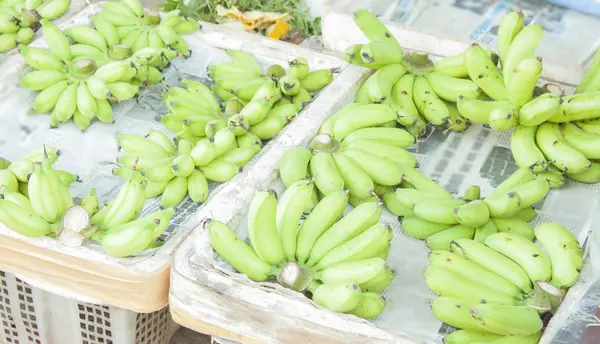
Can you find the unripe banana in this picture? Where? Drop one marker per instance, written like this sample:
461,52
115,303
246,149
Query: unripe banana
450,88
479,253
87,35
421,229
527,214
441,241
522,47
327,177
220,171
350,226
57,41
519,177
506,319
44,200
368,244
504,118
510,26
21,170
515,226
428,103
423,183
484,72
564,156
182,165
393,204
324,214
47,98
372,27
438,211
42,59
586,143
525,253
356,271
293,165
370,306
355,179
540,109
22,221
523,80
484,231
565,253
236,252
318,79
455,312
472,214
554,177
67,103
591,175
578,107
340,297
383,150
17,198
402,95
289,211
392,136
532,192
478,111
298,68
474,272
447,283
174,193
363,116
378,86
262,228
503,205
525,150
453,66
380,170
456,122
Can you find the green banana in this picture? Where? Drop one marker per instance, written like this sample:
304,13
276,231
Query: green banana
522,47
328,179
486,257
565,253
470,336
441,241
455,312
289,211
564,156
515,226
483,71
236,252
380,170
484,231
323,216
523,80
540,109
450,88
421,229
339,297
356,180
510,26
439,211
370,306
506,319
428,103
262,228
368,244
525,150
472,214
503,205
350,226
525,253
586,143
293,165
445,282
363,116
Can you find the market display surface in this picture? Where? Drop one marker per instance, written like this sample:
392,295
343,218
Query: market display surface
498,267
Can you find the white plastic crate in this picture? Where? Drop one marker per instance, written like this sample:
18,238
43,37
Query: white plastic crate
29,315
209,296
137,283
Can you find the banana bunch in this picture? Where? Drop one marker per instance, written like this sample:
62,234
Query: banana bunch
243,77
116,225
19,19
418,91
74,87
495,290
430,213
139,29
345,253
166,171
369,161
34,201
559,150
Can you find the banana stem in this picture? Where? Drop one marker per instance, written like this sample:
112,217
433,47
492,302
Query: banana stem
82,68
31,15
152,18
324,143
119,52
417,63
